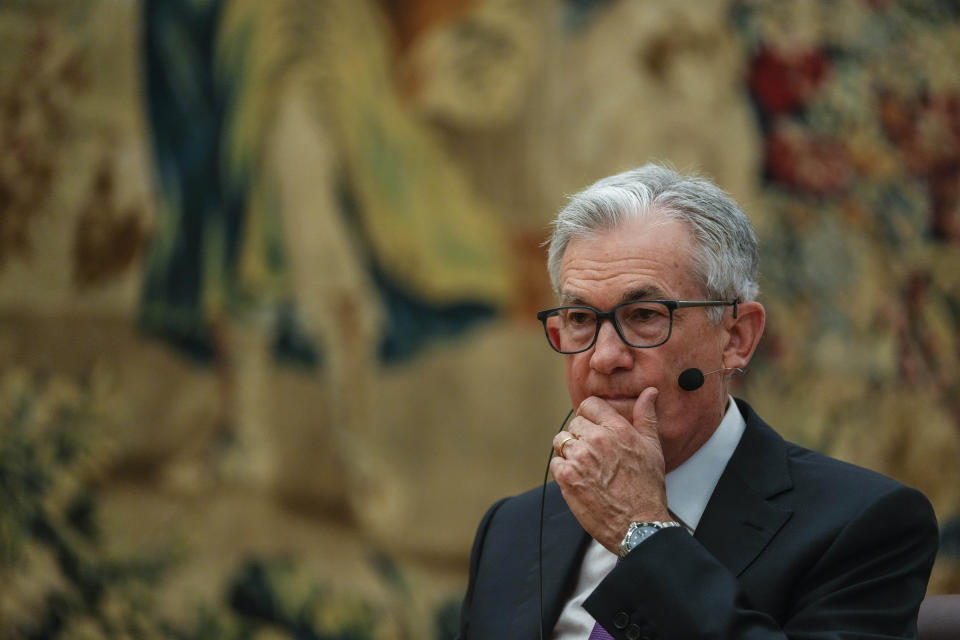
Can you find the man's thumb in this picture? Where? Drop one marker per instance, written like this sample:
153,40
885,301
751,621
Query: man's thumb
645,410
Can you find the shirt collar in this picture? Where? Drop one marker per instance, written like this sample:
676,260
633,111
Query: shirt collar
690,485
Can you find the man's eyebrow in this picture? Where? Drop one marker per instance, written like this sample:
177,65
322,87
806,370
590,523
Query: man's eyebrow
570,298
641,293
644,293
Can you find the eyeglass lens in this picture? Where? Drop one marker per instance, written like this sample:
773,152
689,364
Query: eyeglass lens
641,324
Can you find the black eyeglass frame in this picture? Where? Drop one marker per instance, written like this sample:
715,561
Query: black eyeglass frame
671,305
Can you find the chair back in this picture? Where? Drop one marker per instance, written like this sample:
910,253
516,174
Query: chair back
939,618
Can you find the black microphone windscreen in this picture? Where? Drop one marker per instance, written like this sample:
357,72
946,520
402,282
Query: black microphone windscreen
691,379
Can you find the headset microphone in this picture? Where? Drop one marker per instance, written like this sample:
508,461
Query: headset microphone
692,379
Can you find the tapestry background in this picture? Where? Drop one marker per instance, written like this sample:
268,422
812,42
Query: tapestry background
268,276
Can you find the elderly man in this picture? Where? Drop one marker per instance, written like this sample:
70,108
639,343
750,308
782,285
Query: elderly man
676,511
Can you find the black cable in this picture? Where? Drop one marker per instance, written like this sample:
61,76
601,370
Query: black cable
543,499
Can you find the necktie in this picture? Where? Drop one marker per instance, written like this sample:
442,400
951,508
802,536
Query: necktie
599,633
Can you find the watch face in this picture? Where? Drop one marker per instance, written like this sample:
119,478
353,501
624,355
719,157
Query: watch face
635,536
641,533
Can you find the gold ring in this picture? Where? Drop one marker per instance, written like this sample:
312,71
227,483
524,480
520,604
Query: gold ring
564,443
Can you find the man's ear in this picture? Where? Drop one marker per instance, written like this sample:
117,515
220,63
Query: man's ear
743,334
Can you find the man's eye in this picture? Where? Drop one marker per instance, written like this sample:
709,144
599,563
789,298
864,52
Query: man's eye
641,314
579,317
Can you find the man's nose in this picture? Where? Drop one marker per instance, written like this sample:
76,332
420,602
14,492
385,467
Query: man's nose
610,352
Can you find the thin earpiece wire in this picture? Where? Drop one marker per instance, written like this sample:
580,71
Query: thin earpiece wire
543,499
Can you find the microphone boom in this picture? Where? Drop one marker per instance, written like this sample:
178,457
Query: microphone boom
693,378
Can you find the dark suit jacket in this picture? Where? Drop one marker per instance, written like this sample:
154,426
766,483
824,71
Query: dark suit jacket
792,544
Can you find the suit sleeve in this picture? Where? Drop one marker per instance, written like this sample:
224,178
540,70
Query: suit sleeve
475,554
868,582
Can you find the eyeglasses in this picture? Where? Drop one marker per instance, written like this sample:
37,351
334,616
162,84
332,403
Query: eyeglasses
641,323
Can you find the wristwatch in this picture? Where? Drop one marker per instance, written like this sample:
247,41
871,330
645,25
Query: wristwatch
640,531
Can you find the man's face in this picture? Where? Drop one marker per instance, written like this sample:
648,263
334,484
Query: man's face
646,258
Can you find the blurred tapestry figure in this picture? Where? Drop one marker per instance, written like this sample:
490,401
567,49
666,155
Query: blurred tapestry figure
287,163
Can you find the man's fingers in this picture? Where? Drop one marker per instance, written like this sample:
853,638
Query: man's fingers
599,411
645,410
562,441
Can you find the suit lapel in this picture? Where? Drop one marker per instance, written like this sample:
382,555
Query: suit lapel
739,520
561,535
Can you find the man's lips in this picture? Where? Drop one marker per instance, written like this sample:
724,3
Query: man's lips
619,400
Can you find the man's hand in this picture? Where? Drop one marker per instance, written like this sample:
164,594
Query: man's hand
613,473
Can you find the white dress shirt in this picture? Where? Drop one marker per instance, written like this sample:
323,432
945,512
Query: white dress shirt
689,488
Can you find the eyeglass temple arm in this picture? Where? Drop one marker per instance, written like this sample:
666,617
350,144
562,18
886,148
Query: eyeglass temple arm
709,303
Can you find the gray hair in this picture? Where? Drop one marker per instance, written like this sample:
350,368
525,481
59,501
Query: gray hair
725,255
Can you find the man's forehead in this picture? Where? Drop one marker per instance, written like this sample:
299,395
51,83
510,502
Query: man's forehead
643,258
